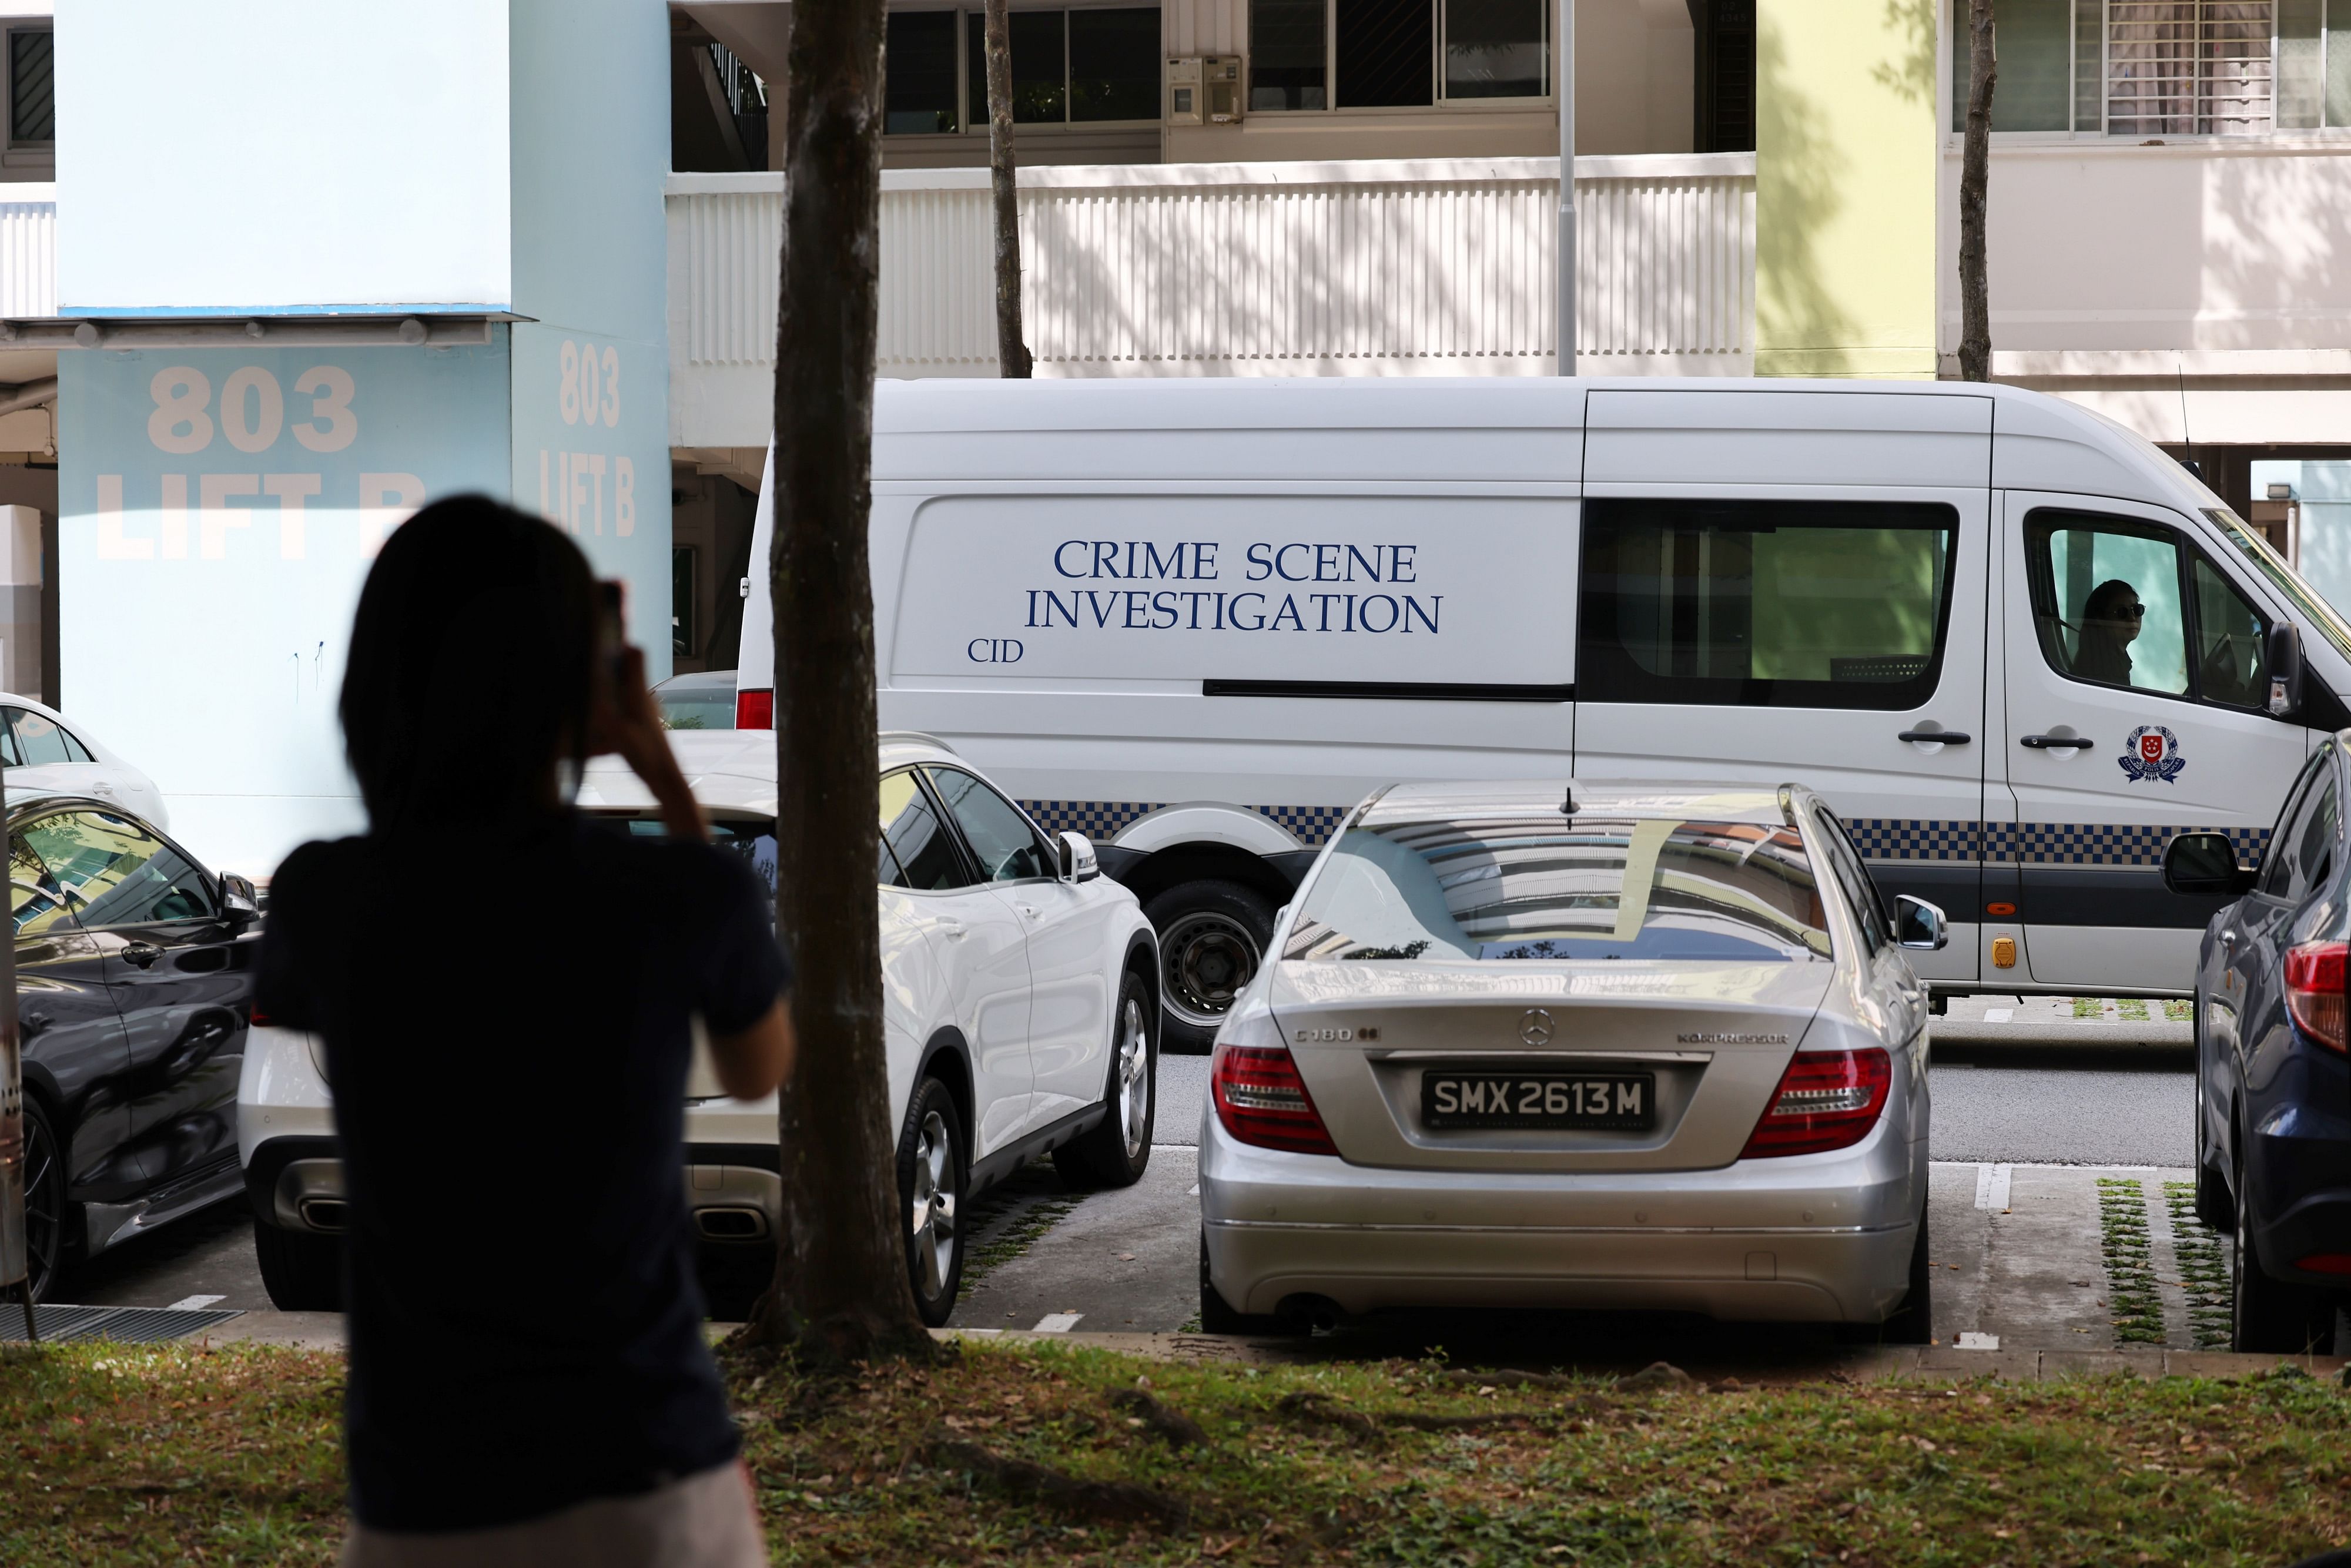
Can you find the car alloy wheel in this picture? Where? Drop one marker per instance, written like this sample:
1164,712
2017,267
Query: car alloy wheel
1133,1106
931,1207
45,1202
1207,957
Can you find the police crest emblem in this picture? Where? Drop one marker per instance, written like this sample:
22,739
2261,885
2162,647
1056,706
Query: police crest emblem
2151,753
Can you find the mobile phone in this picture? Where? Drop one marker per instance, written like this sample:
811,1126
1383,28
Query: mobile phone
612,637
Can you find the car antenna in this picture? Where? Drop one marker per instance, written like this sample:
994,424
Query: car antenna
1567,801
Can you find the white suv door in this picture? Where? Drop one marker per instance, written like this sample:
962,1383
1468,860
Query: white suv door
978,940
1070,997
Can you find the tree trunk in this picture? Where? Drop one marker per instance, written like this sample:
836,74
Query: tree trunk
1011,353
841,1290
1975,159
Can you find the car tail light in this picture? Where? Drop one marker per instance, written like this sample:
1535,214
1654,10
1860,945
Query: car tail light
261,1017
2325,1263
1826,1100
1261,1100
754,710
2313,990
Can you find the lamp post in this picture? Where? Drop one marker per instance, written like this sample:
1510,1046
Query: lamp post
1564,90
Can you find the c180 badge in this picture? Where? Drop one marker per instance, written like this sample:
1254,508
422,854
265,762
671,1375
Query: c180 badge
2151,754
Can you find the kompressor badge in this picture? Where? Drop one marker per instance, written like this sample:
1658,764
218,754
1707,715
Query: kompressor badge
1707,1037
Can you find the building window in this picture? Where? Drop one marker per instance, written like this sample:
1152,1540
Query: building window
1397,54
32,98
2156,69
1075,67
1726,75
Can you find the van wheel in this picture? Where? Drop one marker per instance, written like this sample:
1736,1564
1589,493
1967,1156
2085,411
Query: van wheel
1118,1150
1212,937
303,1272
931,1175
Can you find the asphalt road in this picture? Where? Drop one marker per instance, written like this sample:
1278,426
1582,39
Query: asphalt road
2038,1087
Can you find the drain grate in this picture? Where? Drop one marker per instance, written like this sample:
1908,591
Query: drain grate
123,1325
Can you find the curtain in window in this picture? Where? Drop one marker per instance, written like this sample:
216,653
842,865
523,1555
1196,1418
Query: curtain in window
2188,67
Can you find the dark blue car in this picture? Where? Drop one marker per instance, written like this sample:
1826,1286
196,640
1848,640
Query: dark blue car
2273,1087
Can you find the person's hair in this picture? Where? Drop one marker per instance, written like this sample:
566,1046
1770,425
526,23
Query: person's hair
2100,605
472,666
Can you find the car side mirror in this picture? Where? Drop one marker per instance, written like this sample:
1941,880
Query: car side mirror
2204,865
2282,657
1078,858
239,900
1918,924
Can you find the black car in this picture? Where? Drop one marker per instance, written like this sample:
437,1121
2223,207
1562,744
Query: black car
2272,1089
134,990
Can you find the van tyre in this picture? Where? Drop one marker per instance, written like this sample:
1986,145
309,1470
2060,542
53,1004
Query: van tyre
2267,1316
303,1271
1212,939
934,1173
1118,1150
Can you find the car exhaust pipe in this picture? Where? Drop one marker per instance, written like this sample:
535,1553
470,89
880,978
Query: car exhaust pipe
1308,1313
730,1224
325,1214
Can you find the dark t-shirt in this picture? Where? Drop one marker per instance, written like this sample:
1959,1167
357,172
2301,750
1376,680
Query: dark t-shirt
507,1035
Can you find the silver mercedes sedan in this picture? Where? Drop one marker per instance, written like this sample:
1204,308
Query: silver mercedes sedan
1562,1044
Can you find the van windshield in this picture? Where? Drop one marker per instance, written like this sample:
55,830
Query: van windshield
2315,612
1557,888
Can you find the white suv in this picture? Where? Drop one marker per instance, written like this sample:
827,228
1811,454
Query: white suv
1017,999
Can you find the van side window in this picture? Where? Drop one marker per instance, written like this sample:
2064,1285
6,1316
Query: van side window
2121,603
1817,604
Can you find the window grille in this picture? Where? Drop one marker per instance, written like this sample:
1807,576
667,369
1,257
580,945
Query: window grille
2189,68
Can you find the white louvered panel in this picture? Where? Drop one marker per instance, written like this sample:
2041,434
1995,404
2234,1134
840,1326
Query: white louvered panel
1260,268
28,258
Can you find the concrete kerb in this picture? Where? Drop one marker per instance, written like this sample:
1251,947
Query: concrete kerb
1860,1364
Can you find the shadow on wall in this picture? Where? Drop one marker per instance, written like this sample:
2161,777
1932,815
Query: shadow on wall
1798,170
1911,78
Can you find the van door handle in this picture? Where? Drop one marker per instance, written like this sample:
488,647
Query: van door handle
1030,910
1946,736
954,929
2057,742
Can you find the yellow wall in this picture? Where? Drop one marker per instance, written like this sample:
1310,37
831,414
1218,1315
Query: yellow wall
1844,188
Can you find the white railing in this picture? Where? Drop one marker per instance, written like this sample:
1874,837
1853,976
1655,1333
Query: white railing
28,251
1435,267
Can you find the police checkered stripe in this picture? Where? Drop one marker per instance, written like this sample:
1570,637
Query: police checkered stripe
1905,839
2105,843
1310,825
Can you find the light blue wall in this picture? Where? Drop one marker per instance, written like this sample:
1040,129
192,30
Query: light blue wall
284,155
206,644
591,153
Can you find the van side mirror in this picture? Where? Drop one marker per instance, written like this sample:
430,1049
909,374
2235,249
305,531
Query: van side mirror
1076,853
2282,657
1919,924
239,903
2204,865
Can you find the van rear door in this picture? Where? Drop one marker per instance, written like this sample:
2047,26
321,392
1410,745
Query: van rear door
2136,708
1790,585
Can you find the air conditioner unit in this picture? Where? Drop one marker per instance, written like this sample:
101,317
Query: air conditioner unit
1204,89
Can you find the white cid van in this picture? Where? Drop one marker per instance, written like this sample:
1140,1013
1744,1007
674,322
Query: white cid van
2015,645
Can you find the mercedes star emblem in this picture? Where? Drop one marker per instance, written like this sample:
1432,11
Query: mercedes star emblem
1535,1027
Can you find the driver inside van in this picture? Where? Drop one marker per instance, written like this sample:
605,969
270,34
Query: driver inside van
2111,617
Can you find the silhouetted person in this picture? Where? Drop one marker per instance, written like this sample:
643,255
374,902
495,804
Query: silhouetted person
2111,617
505,992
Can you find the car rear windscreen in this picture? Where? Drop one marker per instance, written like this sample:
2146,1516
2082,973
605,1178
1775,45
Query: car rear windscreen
1554,887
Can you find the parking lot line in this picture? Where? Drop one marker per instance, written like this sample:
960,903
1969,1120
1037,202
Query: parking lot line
1057,1322
1992,1187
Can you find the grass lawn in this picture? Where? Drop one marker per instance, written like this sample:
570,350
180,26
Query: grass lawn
1062,1453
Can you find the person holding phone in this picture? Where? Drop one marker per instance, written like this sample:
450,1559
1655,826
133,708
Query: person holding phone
505,993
